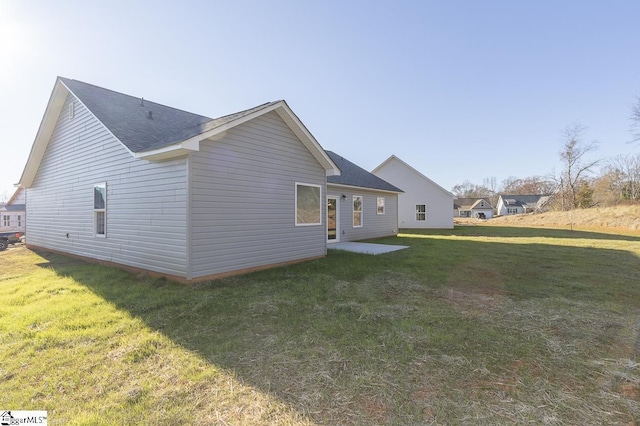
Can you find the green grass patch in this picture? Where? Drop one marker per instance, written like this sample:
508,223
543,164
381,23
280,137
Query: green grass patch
472,325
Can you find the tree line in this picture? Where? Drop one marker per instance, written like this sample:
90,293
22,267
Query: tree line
577,185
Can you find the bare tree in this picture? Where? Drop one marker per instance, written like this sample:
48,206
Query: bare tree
470,190
626,168
576,165
528,185
635,121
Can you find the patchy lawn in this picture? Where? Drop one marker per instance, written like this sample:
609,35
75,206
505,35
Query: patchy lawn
481,324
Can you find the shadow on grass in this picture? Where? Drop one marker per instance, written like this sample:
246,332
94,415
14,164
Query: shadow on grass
358,339
518,232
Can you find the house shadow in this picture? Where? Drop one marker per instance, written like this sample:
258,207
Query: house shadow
519,232
303,333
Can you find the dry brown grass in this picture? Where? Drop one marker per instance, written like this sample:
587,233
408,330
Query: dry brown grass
619,217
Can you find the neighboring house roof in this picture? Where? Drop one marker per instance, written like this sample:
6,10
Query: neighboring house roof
525,201
471,204
354,175
153,131
14,207
393,157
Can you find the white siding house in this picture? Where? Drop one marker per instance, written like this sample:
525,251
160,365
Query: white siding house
521,204
12,215
472,207
124,180
424,203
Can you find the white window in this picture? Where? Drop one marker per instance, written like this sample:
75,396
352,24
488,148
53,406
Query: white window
421,212
100,209
6,220
19,221
308,205
357,211
380,204
512,210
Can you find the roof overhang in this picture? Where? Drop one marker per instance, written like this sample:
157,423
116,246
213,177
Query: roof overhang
47,125
399,160
340,185
176,150
281,108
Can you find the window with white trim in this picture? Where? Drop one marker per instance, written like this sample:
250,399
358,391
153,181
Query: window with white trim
308,205
380,204
19,220
72,111
100,209
6,220
357,211
421,212
512,210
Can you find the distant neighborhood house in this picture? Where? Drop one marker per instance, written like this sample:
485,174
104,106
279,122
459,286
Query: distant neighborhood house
472,207
520,204
13,214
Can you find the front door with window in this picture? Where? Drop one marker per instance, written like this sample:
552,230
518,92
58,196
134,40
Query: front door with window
333,234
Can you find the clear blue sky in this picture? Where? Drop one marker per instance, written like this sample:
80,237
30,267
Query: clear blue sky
460,90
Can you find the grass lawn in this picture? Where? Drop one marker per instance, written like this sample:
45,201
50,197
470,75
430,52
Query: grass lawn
476,325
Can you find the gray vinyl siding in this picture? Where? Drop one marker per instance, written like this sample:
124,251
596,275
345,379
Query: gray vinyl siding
373,224
243,199
146,202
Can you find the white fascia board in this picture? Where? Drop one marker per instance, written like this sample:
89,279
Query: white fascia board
193,144
393,157
47,125
283,110
339,185
307,139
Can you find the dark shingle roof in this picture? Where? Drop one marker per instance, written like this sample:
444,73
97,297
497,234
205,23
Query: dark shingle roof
127,117
15,207
353,175
522,200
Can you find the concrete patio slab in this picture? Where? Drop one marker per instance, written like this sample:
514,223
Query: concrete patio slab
366,248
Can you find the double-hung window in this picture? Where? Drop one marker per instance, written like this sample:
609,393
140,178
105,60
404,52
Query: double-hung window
308,205
100,209
19,221
6,220
357,211
380,204
421,212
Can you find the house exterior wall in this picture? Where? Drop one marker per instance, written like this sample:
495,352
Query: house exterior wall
374,225
417,191
12,216
12,221
146,202
502,209
243,199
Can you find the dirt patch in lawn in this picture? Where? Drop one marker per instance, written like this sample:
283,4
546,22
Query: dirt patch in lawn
475,288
